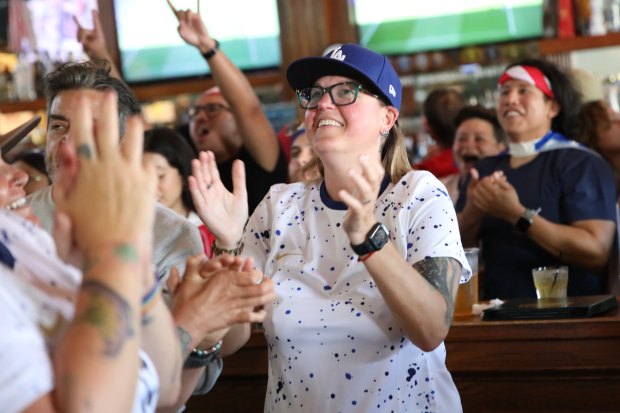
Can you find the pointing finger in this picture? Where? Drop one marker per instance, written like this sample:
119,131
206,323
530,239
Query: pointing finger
174,10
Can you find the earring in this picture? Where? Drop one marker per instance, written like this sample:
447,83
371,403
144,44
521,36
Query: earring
384,134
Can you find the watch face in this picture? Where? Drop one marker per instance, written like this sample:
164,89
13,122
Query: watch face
379,237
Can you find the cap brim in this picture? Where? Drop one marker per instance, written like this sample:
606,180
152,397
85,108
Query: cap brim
10,139
304,72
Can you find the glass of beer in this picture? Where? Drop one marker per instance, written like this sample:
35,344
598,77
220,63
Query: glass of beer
467,294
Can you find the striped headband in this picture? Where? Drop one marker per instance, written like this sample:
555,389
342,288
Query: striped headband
528,74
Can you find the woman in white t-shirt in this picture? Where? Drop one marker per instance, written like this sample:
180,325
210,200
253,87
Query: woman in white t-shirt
366,259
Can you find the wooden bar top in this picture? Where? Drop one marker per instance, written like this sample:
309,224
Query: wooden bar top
563,365
560,366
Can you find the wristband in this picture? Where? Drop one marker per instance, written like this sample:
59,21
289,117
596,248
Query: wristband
363,258
209,54
234,251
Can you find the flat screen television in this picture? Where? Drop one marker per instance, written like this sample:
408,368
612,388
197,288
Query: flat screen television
152,50
409,26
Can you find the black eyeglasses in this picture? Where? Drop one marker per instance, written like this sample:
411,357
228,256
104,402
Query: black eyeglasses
211,109
341,94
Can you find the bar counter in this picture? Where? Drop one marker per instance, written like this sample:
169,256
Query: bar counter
560,366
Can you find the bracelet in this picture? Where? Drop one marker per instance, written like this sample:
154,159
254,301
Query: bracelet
200,358
208,55
219,251
363,258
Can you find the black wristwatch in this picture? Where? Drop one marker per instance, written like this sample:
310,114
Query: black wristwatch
525,220
376,238
210,53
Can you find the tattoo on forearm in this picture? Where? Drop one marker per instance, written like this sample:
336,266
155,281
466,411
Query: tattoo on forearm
146,320
110,314
127,253
185,339
440,273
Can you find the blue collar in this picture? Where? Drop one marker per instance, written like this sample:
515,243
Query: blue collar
331,204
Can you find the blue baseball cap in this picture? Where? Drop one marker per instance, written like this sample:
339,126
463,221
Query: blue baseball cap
372,69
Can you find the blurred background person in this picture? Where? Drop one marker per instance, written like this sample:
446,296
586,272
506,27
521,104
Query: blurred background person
301,154
172,156
599,123
600,131
547,200
32,162
228,119
478,135
440,108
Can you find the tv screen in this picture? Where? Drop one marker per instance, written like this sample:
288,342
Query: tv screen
151,48
408,26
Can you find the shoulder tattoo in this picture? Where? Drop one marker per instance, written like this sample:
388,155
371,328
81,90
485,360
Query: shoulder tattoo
440,272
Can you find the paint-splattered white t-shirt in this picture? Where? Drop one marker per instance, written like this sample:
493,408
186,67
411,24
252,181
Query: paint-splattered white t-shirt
37,292
334,345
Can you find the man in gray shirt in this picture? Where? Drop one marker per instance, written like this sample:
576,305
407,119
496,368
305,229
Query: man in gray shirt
175,238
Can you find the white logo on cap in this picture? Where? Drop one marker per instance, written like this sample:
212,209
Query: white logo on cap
337,54
392,91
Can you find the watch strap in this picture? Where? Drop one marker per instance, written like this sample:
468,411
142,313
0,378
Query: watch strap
373,242
524,222
209,54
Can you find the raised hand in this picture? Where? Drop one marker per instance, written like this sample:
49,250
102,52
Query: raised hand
362,198
93,40
110,197
223,212
191,27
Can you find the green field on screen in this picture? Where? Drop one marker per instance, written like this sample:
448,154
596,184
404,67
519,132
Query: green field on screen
451,31
185,61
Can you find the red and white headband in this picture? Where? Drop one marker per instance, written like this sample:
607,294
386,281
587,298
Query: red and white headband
528,74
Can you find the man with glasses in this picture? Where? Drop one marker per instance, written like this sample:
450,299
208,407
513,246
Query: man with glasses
228,119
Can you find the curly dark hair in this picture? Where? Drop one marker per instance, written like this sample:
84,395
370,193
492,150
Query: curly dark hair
564,92
594,117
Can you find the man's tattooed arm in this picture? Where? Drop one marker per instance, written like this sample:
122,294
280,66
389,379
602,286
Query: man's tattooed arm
440,272
110,314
